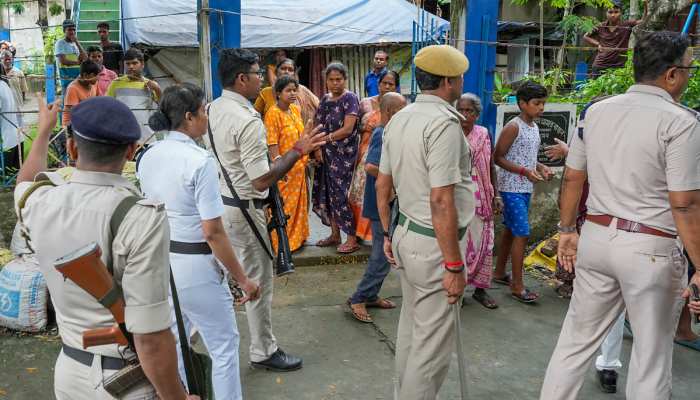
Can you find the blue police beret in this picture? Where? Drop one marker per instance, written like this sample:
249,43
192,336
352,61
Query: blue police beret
104,119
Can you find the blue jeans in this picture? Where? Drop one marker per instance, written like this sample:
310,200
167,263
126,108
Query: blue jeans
377,269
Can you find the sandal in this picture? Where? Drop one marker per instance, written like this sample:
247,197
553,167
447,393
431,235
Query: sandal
381,303
328,242
365,318
526,296
485,300
347,249
505,280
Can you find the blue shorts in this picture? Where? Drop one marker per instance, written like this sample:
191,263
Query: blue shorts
516,210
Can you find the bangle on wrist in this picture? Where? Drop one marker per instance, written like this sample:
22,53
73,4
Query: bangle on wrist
454,267
566,229
298,150
386,234
522,171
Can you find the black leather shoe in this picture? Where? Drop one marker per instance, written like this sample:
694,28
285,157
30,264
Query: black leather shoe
608,380
279,361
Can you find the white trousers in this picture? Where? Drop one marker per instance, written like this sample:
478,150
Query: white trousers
207,305
611,348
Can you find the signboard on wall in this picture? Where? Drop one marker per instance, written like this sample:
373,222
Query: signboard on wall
558,121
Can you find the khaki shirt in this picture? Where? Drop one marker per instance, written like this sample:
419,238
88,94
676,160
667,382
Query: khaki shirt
241,143
69,216
424,148
636,148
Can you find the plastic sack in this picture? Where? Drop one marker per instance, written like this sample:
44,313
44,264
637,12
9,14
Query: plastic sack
23,295
544,255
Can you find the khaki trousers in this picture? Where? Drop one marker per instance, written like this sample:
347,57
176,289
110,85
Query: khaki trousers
258,267
617,269
75,381
426,336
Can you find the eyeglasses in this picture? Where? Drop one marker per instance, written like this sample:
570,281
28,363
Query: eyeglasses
692,69
260,73
470,111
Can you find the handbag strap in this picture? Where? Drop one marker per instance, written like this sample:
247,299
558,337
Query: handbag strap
244,211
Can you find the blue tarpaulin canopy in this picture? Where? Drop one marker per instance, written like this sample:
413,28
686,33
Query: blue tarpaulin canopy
280,23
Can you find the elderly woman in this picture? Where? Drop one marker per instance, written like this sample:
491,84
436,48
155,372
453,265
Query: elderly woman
306,99
480,237
338,114
370,117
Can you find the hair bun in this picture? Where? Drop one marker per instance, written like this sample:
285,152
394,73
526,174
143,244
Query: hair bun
159,121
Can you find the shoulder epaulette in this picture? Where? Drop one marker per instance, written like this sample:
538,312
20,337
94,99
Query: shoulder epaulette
582,115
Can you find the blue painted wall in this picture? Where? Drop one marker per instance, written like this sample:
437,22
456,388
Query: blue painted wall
225,31
482,24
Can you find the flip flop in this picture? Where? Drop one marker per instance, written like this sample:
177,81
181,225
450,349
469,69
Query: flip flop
526,296
343,249
503,281
691,344
381,303
328,242
367,319
485,300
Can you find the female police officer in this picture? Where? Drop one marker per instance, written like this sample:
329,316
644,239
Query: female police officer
183,176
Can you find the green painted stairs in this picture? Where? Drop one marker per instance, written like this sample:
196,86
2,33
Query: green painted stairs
92,12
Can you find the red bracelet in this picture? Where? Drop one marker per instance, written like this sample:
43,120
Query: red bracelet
522,171
298,150
454,267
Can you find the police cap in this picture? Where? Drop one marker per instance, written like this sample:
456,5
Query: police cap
442,60
106,120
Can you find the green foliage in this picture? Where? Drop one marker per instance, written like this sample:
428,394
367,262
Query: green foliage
50,39
55,9
567,3
574,25
18,8
34,64
500,91
553,79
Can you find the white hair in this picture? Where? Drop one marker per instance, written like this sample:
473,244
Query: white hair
475,100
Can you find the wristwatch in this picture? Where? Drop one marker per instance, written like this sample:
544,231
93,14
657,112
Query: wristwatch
566,229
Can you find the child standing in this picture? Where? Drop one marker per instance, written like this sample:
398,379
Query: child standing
516,155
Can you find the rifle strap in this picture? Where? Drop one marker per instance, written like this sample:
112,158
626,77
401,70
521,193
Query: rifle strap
123,208
192,383
244,211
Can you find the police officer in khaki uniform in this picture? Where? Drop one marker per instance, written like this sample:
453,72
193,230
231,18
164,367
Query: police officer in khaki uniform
62,216
639,152
426,159
239,144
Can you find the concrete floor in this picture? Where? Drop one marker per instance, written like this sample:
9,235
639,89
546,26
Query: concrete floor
508,349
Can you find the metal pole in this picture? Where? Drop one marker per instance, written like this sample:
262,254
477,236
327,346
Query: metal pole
691,14
542,39
456,308
205,48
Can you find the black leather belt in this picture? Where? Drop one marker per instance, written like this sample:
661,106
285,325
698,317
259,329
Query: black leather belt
190,248
86,358
240,203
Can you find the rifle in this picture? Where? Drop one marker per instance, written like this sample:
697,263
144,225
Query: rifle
86,269
278,223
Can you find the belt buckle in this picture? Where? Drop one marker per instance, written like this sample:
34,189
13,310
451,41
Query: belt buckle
635,226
